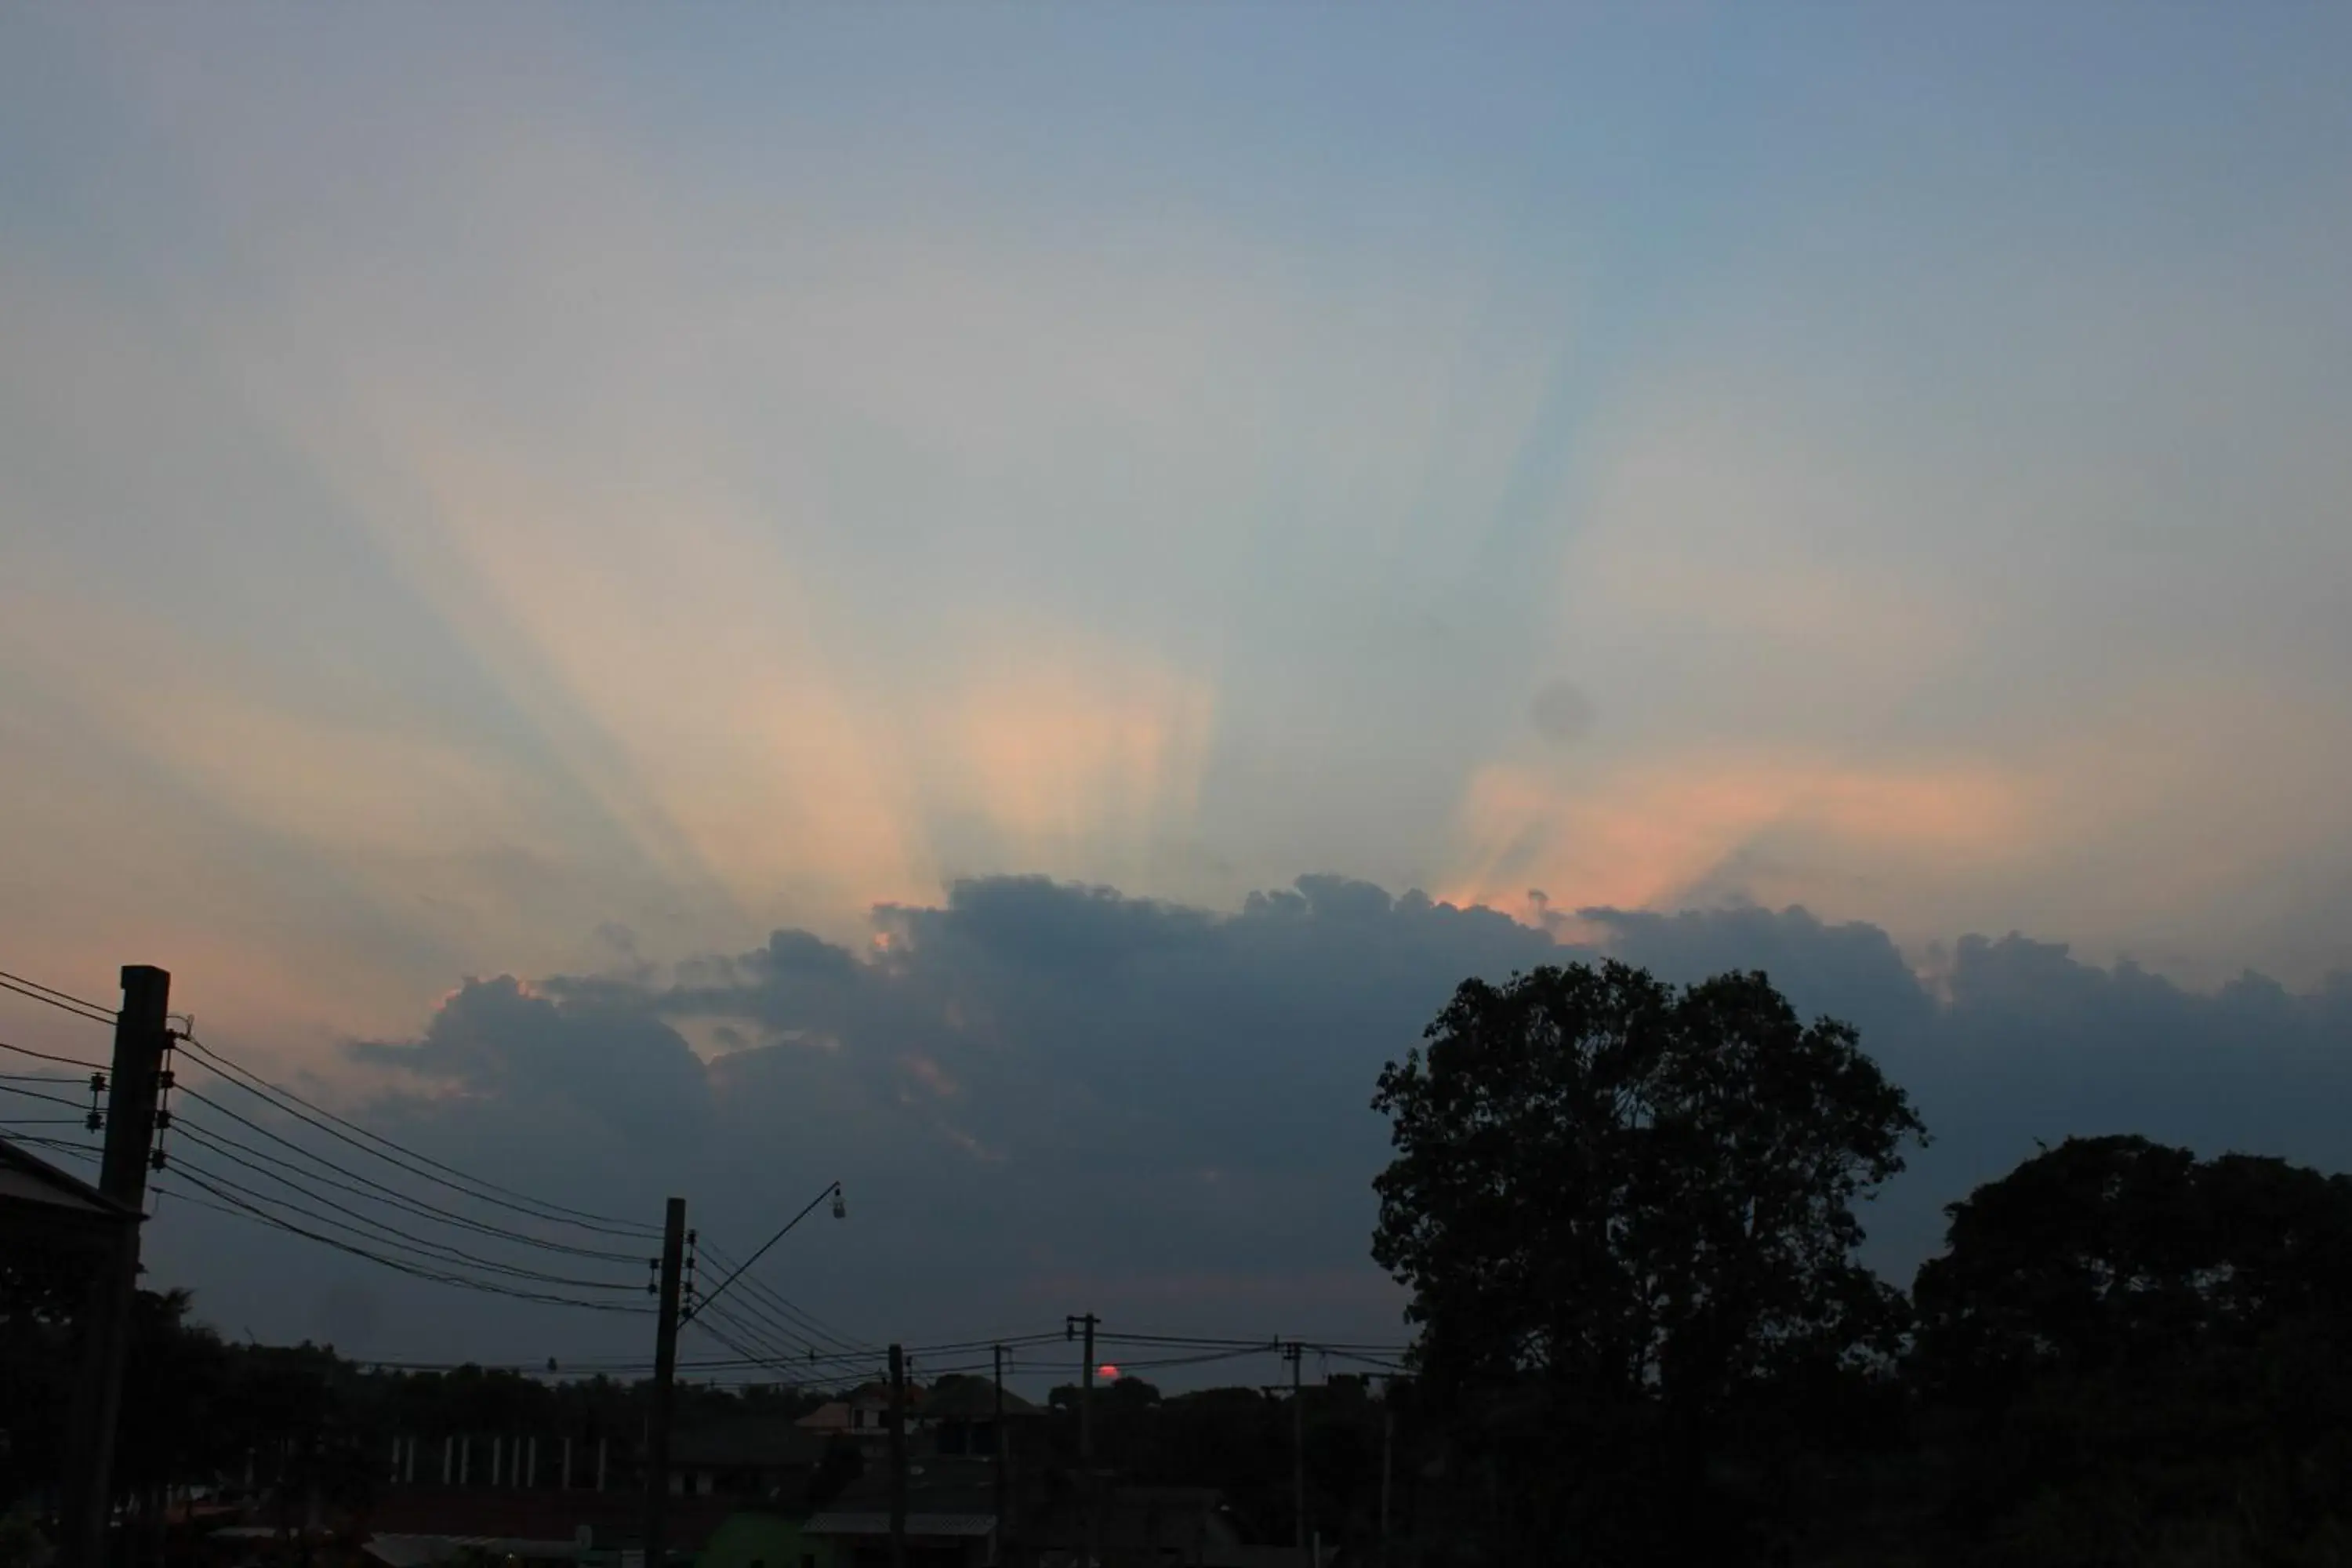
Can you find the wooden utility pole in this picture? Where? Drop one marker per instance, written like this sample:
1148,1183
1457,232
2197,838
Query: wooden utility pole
1086,1382
897,1456
1087,1488
141,1038
673,1259
1388,1460
996,1431
1291,1353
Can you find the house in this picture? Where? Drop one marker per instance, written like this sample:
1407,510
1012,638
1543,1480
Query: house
761,1458
950,1520
58,1234
1167,1527
960,1413
45,1210
865,1415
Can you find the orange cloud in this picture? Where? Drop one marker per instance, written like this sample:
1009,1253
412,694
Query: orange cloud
1640,837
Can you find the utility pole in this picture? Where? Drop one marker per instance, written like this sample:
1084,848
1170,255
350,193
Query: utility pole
1070,1325
996,1430
673,1259
141,1034
1291,1353
897,1456
1388,1459
1087,1430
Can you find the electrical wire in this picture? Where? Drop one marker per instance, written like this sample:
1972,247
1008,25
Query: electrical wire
63,1001
314,1156
772,1361
479,1188
391,1235
774,1365
1195,1342
1204,1358
772,1330
262,1216
724,1339
831,1190
376,1191
38,1141
843,1361
47,1056
811,1326
36,1094
747,1358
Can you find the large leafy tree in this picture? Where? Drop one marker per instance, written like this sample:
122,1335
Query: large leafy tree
2119,1252
2143,1341
1622,1209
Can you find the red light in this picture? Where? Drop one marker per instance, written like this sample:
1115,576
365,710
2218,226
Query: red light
1106,1370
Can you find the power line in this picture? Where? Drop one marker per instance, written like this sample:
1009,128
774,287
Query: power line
813,1325
476,1187
1196,1342
376,1191
318,1159
722,1336
1204,1358
261,1215
405,1241
772,1361
844,1360
36,1094
63,1001
831,1190
751,1306
45,1055
62,1145
748,1357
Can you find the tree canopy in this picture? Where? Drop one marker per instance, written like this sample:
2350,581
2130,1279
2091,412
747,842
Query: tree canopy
2144,1344
1603,1180
1622,1207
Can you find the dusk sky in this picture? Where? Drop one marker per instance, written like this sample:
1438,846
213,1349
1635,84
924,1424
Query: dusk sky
563,494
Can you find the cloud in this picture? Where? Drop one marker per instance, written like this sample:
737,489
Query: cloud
1651,832
500,1041
1061,1097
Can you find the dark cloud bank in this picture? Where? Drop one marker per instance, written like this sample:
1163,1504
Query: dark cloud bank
1047,1098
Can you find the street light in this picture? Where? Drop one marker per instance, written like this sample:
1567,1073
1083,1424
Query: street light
840,1210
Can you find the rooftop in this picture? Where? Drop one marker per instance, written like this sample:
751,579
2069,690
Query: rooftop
842,1523
755,1441
41,1200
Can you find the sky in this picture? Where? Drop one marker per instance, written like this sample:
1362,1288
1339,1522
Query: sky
598,585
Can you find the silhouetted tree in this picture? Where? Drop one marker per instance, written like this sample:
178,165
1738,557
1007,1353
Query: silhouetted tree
2145,1344
1622,1209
